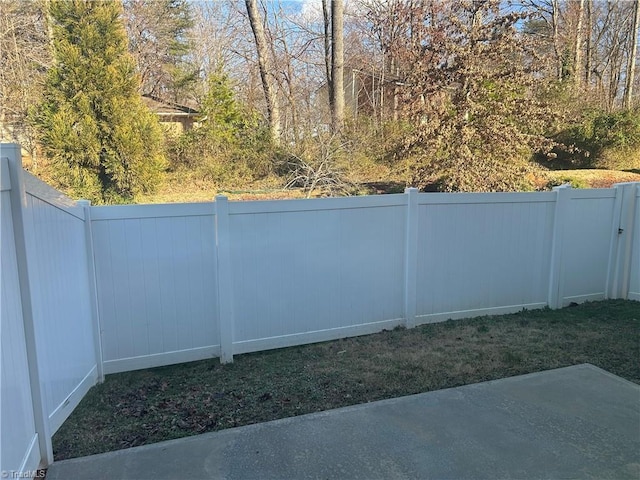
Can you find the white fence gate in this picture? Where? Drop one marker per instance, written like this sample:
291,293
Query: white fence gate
92,290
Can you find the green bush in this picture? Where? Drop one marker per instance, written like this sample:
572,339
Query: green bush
229,147
103,143
602,139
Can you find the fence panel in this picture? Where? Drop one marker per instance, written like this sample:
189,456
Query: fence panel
482,254
60,298
19,449
587,241
312,270
634,280
294,272
156,277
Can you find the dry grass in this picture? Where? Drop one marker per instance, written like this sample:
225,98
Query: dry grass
146,406
184,189
372,180
591,178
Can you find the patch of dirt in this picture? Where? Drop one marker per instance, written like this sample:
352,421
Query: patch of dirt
383,187
592,178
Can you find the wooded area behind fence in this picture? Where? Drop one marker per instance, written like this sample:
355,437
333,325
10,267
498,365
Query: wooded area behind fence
92,290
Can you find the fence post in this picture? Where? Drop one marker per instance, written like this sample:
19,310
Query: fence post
621,249
18,197
411,257
563,196
93,288
225,279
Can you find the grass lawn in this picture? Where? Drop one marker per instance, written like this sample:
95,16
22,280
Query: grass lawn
147,406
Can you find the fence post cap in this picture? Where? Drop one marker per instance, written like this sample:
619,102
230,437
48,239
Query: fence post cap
84,203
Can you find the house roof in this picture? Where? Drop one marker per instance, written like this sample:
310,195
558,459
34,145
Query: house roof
163,108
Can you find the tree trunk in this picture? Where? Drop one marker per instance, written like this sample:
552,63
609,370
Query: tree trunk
631,62
577,57
289,80
588,53
46,5
337,63
265,65
616,65
327,52
555,14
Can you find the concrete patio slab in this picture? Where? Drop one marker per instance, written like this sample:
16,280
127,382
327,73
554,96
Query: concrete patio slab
576,422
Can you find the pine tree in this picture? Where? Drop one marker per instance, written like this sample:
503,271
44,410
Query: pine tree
224,121
105,144
227,132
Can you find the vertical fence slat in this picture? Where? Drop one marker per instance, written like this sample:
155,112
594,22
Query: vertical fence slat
563,196
611,285
93,288
411,257
18,203
624,238
633,292
225,279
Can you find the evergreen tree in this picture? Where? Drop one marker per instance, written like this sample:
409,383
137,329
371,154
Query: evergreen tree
105,144
226,131
223,121
229,146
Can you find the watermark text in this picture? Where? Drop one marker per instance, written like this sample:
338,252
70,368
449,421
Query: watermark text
23,474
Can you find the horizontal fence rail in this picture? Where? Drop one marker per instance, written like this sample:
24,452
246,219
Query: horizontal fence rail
91,290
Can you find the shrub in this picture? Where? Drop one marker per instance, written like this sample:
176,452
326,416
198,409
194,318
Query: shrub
103,143
602,139
230,147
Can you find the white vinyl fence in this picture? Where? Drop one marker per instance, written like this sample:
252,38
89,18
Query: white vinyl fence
630,270
49,336
183,282
161,308
91,290
19,447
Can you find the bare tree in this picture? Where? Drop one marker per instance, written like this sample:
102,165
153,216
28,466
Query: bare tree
25,57
577,56
158,40
337,64
589,45
631,64
463,70
333,17
266,67
221,42
555,23
592,44
326,17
